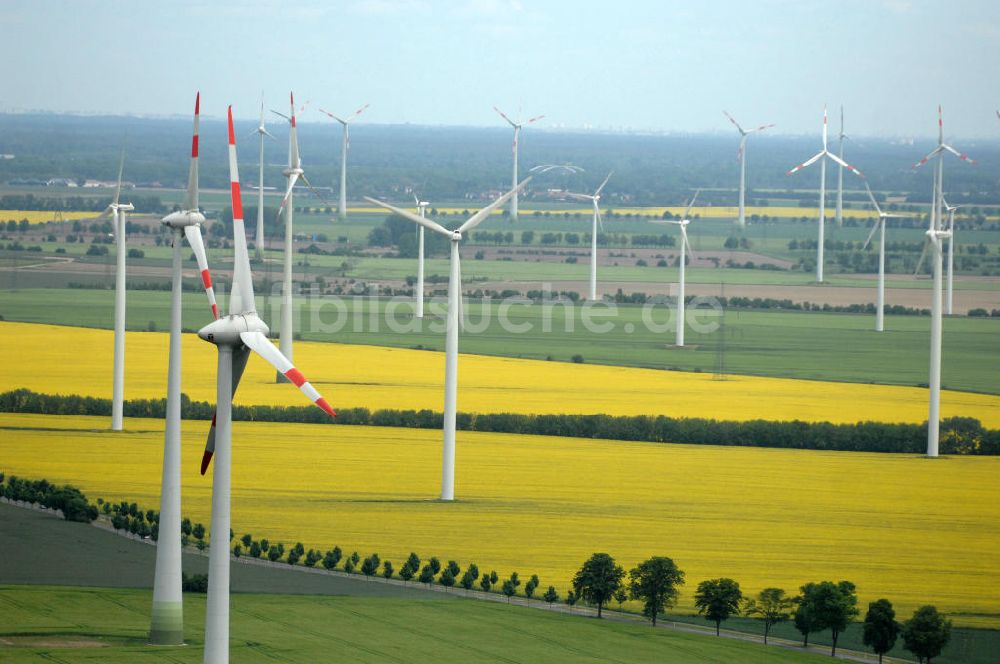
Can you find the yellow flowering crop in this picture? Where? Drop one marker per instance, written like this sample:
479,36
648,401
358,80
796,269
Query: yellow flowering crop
914,530
42,216
65,360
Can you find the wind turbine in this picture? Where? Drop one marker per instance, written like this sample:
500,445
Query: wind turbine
741,155
595,201
118,212
261,131
685,253
840,171
517,132
453,322
935,236
235,335
345,144
421,210
167,624
880,227
950,209
293,173
819,156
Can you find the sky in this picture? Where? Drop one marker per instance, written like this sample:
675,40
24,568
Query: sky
666,65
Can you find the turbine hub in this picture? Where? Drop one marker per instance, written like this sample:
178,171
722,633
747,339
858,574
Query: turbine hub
288,172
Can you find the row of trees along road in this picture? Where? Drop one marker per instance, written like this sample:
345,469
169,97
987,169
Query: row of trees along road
819,606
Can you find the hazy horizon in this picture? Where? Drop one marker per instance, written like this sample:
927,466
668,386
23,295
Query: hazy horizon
646,66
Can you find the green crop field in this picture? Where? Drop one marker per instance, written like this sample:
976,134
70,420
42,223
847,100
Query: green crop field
823,346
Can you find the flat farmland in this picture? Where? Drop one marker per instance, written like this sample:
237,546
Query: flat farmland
68,360
913,530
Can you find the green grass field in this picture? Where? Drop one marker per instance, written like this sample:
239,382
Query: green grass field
111,625
822,346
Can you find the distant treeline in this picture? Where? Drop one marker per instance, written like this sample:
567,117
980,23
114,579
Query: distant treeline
68,499
959,435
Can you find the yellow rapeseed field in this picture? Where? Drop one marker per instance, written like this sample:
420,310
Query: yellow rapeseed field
42,216
910,529
66,360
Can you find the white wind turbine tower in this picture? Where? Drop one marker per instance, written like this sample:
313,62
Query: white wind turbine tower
293,173
935,236
235,335
453,323
819,156
840,171
118,212
421,210
741,155
345,144
595,201
685,254
950,209
517,133
167,623
880,227
260,131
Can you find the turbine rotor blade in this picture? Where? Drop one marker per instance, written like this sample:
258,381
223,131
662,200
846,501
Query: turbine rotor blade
843,163
331,115
687,212
193,235
240,357
930,155
261,345
807,163
735,123
878,221
533,120
429,224
871,197
960,155
314,191
480,216
288,192
121,170
191,198
599,189
923,255
579,197
241,299
504,116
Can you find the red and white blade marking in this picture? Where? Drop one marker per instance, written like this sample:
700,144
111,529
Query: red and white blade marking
193,235
261,345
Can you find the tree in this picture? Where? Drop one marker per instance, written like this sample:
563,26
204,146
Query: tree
926,633
427,574
246,539
621,595
274,553
470,576
198,531
185,526
508,589
255,550
371,564
529,587
435,564
570,598
655,582
238,550
598,579
485,583
454,569
387,570
805,612
332,558
880,628
772,606
447,579
835,606
551,595
494,577
718,599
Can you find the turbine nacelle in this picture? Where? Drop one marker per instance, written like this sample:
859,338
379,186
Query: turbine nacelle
226,331
183,219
